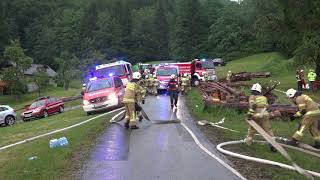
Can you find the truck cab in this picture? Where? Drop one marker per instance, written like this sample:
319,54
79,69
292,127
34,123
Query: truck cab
202,67
121,69
163,73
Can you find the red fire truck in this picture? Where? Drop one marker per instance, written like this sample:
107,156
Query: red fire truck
163,73
197,69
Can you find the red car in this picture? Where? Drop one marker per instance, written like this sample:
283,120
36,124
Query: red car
42,107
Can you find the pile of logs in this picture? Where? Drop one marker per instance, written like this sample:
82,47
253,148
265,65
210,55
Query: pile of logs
247,76
225,95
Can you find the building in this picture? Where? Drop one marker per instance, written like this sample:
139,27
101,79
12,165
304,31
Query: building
33,70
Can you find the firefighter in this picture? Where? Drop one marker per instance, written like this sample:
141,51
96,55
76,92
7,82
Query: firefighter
155,84
312,76
299,83
229,76
173,90
131,97
150,84
184,83
309,110
189,82
258,112
143,89
303,82
205,76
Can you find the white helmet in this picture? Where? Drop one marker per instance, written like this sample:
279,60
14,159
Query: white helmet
291,92
136,75
172,76
84,85
185,74
256,87
155,76
229,71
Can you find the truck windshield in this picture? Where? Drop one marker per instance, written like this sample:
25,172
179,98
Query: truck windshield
167,72
118,70
38,104
100,84
207,65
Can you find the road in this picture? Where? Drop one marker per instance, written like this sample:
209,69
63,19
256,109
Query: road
155,151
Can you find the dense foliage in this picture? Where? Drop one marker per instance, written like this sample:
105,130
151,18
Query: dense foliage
141,30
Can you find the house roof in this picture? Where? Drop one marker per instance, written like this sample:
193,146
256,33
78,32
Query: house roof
35,68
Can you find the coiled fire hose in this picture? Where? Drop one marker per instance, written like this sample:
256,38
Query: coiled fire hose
309,174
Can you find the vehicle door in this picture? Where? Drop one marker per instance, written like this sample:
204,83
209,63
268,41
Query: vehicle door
119,87
50,105
2,115
129,71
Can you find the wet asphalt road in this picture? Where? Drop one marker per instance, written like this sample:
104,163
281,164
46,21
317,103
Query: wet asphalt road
155,151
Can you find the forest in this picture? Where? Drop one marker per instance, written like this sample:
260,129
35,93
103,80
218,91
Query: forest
82,32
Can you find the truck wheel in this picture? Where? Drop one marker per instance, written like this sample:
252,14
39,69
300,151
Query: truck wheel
195,82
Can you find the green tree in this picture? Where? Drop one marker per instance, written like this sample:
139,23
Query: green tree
188,24
41,79
67,66
161,31
14,75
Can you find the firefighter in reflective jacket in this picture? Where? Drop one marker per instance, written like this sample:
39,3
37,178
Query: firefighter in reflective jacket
184,83
258,112
310,112
189,82
143,89
229,76
155,84
173,90
131,97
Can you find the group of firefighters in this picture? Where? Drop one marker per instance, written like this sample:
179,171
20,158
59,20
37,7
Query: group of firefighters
307,109
141,85
312,80
258,107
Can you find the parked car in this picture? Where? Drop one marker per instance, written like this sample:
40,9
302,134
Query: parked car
8,115
219,62
42,108
102,94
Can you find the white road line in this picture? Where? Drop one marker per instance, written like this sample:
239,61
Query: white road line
56,131
196,140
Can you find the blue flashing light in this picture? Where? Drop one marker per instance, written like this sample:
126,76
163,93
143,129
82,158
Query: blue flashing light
93,79
110,74
203,59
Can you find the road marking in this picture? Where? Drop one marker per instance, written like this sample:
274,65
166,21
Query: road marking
56,131
196,140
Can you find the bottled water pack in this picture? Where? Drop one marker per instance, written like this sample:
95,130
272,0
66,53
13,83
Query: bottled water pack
54,143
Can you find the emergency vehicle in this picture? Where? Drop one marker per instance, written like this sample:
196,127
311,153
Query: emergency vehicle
197,69
163,73
101,94
121,69
142,67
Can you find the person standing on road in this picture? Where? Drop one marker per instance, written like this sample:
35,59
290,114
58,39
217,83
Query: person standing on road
258,112
155,84
173,90
299,83
309,110
312,80
184,83
132,96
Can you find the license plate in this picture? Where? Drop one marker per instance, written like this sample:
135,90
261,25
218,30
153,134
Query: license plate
27,115
99,105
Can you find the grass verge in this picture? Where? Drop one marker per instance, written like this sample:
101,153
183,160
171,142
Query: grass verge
236,120
60,163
